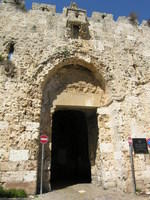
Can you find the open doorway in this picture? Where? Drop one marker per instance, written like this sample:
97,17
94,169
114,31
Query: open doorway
70,162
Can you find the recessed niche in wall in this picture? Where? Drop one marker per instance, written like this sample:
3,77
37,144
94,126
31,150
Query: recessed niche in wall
75,30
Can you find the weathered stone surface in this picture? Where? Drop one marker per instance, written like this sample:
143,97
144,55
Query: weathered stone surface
105,68
29,187
18,177
18,155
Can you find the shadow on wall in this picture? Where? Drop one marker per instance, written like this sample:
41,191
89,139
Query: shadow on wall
71,149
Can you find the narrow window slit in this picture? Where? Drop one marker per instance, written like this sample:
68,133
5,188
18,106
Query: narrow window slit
77,14
11,51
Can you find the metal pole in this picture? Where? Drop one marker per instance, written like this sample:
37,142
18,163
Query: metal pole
42,164
132,168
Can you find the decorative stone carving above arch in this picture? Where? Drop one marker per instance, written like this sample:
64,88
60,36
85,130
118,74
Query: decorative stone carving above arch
46,72
74,86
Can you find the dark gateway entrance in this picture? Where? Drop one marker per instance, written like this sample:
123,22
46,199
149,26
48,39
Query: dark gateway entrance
70,154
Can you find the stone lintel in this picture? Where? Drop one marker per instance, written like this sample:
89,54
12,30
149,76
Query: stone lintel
78,100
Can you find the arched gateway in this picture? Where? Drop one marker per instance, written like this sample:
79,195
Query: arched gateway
71,96
71,78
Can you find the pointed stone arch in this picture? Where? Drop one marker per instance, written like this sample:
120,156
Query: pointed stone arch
73,83
91,64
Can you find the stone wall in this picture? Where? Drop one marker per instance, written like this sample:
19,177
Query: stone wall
117,53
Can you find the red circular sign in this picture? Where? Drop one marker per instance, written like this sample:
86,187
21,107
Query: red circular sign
43,139
129,140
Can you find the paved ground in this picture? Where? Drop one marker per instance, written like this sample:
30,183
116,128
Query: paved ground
88,192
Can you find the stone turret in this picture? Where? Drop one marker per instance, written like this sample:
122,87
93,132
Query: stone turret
77,22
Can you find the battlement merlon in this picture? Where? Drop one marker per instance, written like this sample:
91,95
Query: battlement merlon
44,7
13,2
98,17
11,5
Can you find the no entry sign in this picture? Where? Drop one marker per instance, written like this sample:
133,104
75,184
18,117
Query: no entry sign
130,140
43,139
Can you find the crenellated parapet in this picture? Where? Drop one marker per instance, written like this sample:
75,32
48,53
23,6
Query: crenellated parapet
44,7
77,20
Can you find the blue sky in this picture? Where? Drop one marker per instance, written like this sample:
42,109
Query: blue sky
115,7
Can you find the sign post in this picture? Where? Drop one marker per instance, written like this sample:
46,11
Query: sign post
43,141
132,163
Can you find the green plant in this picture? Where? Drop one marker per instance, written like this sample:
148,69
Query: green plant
148,22
16,193
2,192
138,190
1,58
34,27
12,193
22,7
66,52
133,18
18,2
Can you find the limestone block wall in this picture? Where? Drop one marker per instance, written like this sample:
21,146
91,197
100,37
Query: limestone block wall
118,55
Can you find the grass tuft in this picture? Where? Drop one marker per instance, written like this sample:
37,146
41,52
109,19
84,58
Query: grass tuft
12,193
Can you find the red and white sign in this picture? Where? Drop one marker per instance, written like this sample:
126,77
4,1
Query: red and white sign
130,140
43,139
